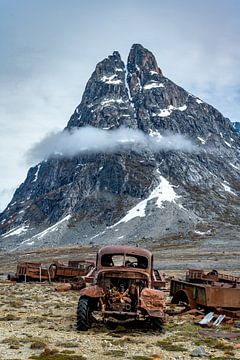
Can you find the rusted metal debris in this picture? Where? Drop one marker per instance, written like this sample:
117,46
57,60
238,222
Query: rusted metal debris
125,287
69,271
212,290
66,286
199,276
220,334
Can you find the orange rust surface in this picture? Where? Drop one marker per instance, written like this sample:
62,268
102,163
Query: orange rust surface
94,291
125,250
153,301
216,294
200,275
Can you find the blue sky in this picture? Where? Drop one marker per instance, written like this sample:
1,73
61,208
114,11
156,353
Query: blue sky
49,48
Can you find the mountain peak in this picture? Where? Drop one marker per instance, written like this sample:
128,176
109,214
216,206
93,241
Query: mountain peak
141,59
142,67
109,66
105,102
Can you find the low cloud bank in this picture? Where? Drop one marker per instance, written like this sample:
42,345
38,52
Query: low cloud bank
89,139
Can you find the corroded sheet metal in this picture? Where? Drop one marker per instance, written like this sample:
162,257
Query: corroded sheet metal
94,291
124,250
31,270
198,275
215,295
158,279
223,297
57,271
153,301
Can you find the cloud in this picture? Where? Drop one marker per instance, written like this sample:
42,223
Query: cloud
89,139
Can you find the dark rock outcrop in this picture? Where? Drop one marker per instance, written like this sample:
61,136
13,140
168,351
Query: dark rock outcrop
236,126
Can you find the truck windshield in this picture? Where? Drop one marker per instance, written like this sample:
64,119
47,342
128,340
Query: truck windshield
128,260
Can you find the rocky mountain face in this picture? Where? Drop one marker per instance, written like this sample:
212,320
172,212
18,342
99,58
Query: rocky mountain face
236,126
132,195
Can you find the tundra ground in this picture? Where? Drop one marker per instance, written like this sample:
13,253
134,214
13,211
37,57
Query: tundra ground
37,322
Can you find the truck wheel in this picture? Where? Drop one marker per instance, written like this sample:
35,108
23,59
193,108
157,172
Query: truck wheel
84,318
157,324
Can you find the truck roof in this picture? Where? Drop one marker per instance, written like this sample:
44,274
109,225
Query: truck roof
125,249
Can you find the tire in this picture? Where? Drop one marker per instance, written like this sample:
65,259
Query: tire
157,324
84,311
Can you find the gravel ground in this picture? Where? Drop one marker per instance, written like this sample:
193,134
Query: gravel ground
36,321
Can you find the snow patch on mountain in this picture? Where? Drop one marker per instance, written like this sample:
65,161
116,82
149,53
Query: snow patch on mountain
111,101
36,174
202,140
163,192
227,143
153,85
167,112
16,231
154,133
60,225
234,166
227,188
111,79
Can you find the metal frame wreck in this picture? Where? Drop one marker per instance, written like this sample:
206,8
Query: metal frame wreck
125,287
210,291
71,270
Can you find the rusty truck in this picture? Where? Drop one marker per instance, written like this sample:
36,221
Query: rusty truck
125,286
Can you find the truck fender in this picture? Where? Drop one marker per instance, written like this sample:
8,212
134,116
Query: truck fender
153,302
94,291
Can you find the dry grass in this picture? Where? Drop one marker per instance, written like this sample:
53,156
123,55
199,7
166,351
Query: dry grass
44,328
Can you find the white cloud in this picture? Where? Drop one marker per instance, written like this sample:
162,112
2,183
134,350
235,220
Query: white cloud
89,139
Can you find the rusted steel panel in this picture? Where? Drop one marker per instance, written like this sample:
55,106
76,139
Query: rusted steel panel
195,275
72,269
207,295
223,297
94,291
124,251
124,273
191,292
158,279
32,271
153,301
56,271
63,271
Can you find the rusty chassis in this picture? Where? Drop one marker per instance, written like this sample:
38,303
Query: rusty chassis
218,292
